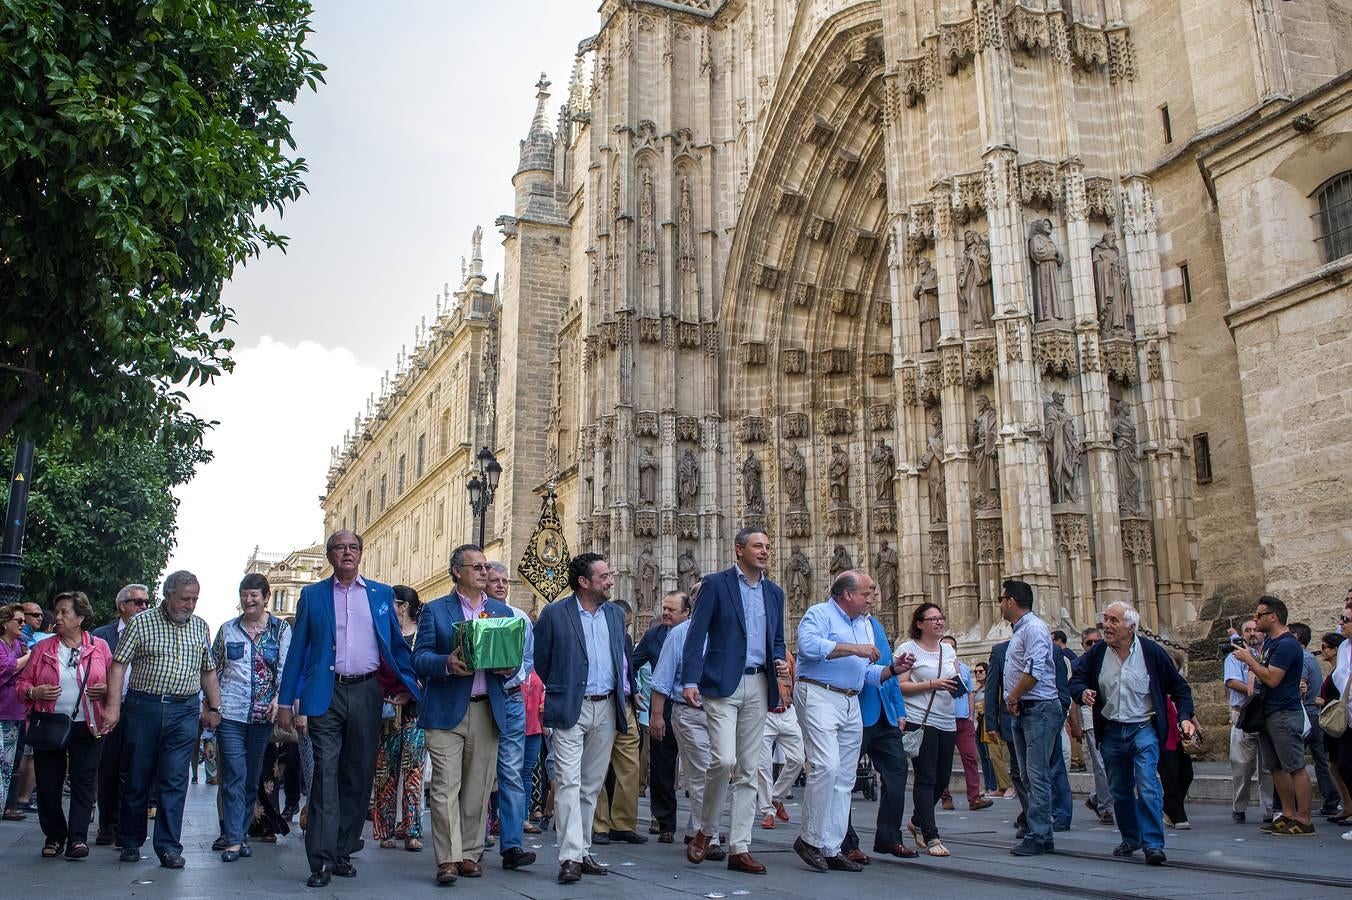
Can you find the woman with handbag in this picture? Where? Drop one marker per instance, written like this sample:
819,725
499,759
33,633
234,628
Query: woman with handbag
399,760
931,728
250,652
14,656
64,687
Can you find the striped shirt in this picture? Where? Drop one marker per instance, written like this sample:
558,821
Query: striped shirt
165,657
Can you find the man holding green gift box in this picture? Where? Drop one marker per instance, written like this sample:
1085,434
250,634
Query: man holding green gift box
462,713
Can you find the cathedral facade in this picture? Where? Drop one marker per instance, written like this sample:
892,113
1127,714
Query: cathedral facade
944,290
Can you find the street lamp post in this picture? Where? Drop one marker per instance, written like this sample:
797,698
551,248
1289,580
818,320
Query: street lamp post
483,484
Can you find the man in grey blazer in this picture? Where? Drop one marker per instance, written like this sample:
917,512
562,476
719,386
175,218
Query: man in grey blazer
130,600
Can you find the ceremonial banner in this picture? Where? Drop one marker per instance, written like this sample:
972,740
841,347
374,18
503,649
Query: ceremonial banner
544,565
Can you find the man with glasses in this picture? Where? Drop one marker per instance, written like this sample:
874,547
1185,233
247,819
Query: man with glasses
346,633
131,600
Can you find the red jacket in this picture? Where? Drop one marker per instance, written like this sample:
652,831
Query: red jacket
43,668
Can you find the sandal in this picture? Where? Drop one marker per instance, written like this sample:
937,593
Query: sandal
412,845
915,833
13,815
530,828
77,850
387,844
51,849
936,848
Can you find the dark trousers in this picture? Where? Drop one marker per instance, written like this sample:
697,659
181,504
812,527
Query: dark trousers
291,778
159,740
112,772
882,743
1319,755
345,739
662,757
933,769
80,758
1176,777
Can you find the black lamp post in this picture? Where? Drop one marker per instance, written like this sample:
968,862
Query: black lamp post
16,518
483,484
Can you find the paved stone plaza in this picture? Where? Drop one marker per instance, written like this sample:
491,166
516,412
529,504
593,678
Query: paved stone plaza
979,868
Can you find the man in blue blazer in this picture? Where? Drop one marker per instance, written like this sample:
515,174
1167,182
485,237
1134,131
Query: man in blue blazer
582,656
733,655
462,714
347,655
130,600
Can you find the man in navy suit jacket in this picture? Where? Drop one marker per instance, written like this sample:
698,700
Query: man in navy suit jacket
733,655
130,600
582,656
347,654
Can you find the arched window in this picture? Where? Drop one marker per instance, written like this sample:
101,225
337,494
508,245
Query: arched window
1335,216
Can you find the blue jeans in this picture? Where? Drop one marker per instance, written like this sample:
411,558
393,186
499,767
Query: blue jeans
159,742
1131,754
528,766
1063,805
241,747
1037,732
512,794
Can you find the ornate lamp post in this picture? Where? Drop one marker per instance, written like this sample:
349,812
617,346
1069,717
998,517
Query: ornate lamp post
483,484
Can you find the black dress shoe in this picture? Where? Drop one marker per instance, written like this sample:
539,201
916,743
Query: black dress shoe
103,839
319,879
129,854
601,837
666,837
715,853
1155,857
220,843
809,854
171,861
1124,850
570,872
628,837
345,870
516,857
591,867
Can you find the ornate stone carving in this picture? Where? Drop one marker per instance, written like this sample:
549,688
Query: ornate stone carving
754,353
933,464
798,583
1064,452
884,520
687,428
790,201
957,45
879,182
926,293
884,461
821,228
1128,460
985,454
803,293
951,358
840,522
796,425
1088,46
880,365
931,386
1119,358
687,570
767,276
709,336
1121,56
845,164
645,424
1045,259
798,524
1090,358
818,131
969,196
838,477
687,527
885,566
840,561
920,225
938,552
647,477
752,495
880,416
910,393
1072,533
882,312
1014,331
1153,362
650,330
979,360
754,430
916,78
1138,540
835,361
1027,28
1100,197
1112,292
645,523
837,420
689,335
647,226
1039,184
862,242
793,471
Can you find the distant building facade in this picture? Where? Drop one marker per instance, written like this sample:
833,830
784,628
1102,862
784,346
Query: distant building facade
287,573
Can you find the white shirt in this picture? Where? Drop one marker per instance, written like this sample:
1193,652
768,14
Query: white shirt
926,667
1236,671
1126,686
1343,668
66,659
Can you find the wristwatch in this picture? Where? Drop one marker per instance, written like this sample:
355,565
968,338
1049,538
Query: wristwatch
214,709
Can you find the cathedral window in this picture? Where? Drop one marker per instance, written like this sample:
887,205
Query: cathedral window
1186,280
1201,457
1335,216
1166,124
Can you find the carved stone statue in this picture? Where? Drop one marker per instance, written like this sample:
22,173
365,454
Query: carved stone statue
934,467
1128,463
751,484
1111,289
840,561
974,281
687,479
647,477
838,477
685,229
926,292
800,581
605,477
794,468
985,446
647,206
1046,261
885,565
647,580
884,471
687,570
1063,448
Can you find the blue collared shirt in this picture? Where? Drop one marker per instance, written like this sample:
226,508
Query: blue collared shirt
962,706
527,652
596,632
667,672
1030,650
823,627
753,604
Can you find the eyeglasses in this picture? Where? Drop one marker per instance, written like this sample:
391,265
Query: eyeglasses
1343,620
932,619
478,567
1263,612
142,602
355,548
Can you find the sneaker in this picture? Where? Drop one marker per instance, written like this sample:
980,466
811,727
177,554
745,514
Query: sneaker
1124,850
1029,846
1296,829
1277,826
1347,835
1185,825
1237,818
1155,856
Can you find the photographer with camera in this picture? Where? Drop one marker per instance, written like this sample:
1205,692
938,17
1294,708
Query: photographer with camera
1240,686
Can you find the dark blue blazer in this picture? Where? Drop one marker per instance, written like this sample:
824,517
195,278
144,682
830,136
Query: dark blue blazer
109,634
446,696
997,719
561,661
308,674
1165,680
718,667
650,645
886,700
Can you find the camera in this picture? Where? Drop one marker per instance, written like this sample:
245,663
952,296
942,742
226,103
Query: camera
1229,645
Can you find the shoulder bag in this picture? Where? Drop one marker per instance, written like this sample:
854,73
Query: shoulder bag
911,740
280,734
51,730
1333,717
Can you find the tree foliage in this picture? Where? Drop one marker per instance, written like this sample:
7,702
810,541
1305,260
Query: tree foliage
141,142
100,510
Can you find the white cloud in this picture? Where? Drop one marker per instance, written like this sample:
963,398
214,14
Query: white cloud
279,413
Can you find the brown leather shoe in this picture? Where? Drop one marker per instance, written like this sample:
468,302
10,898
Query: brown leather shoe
694,851
980,803
470,869
781,812
768,822
446,873
742,862
900,850
947,803
842,864
857,856
570,872
591,867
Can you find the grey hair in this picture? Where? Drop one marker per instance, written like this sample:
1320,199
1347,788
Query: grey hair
123,594
845,581
500,567
1129,613
328,545
175,580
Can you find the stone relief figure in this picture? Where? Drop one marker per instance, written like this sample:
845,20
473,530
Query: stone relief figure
885,565
687,570
884,471
1063,448
800,581
647,228
1046,260
685,229
1128,463
751,484
647,579
795,479
974,281
926,292
933,464
1110,284
838,477
647,477
605,477
687,480
840,561
985,446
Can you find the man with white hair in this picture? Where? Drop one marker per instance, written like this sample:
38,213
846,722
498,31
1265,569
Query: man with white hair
1126,679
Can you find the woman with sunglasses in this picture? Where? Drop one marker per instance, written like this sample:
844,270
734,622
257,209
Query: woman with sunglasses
250,652
14,656
68,674
399,761
929,694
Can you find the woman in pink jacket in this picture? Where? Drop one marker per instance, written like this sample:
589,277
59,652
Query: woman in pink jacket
51,683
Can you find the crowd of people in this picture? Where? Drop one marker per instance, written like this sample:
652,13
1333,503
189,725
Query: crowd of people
339,714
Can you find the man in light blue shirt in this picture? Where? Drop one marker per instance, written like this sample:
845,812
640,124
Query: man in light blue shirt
512,799
837,656
1239,687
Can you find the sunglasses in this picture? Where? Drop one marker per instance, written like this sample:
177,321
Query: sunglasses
1343,620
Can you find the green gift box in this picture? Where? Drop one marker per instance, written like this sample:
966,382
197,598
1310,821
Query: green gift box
494,643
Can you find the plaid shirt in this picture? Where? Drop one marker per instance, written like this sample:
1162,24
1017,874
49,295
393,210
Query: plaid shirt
163,657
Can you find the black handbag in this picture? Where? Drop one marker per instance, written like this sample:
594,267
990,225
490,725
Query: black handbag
1253,717
51,730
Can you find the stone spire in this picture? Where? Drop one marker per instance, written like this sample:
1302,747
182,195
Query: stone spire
537,150
476,279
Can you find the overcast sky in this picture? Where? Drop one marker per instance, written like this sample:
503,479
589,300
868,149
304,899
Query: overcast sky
411,144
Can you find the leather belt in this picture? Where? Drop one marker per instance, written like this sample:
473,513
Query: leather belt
606,696
753,670
354,679
830,687
163,698
513,691
779,709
